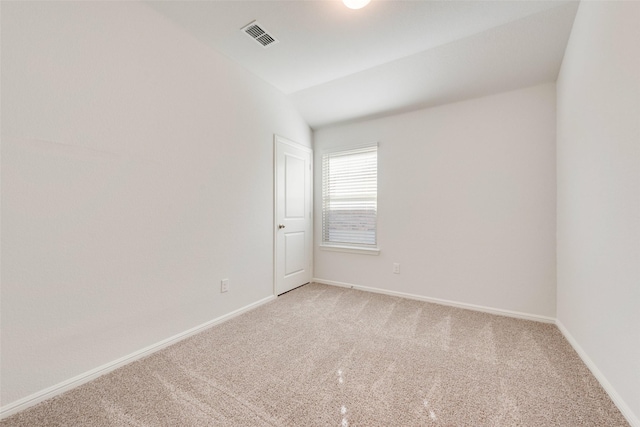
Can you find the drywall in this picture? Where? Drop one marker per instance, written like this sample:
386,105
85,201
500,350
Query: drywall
599,195
137,172
466,202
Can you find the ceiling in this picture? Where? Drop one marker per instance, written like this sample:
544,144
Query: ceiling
338,64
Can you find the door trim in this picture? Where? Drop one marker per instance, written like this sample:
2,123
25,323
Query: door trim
280,139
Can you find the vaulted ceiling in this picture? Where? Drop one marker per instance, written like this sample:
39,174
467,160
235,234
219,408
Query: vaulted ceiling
338,64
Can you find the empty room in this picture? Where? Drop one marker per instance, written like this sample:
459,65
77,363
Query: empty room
320,213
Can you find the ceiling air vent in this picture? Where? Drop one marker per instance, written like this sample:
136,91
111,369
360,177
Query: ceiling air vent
259,34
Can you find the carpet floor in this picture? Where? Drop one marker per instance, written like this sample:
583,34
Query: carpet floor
329,356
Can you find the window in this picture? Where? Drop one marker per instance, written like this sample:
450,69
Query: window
350,199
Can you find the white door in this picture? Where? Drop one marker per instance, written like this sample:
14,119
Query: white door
293,222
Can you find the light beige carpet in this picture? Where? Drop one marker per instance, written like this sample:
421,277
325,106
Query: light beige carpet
328,356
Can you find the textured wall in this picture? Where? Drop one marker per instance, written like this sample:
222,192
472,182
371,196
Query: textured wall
599,193
466,202
136,173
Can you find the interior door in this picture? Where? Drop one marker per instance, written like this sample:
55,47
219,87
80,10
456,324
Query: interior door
293,215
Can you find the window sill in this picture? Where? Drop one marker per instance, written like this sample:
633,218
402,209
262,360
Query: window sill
351,249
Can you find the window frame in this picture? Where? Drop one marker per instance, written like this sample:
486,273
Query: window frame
344,246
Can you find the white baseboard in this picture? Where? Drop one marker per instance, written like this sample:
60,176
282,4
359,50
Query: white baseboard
633,420
85,377
491,310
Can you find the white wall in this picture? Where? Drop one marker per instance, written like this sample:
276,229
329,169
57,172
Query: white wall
136,173
599,194
466,202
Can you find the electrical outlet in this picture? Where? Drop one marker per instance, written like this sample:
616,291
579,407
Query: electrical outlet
396,268
224,285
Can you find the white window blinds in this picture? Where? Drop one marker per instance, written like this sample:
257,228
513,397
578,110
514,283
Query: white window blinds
350,197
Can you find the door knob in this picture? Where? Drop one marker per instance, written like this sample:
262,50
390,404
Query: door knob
280,226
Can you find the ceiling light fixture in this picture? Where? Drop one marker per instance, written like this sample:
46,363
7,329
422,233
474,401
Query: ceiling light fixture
355,4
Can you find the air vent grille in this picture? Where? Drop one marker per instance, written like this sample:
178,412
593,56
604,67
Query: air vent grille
259,34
